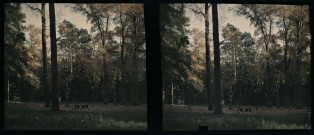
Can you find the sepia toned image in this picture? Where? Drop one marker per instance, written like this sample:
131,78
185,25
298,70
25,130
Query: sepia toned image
74,67
235,66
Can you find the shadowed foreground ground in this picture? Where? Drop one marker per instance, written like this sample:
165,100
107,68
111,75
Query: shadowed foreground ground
101,117
181,118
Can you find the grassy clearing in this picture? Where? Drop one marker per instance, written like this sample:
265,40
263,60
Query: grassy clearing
187,121
26,119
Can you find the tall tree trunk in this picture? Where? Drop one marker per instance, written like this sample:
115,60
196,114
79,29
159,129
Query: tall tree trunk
122,91
164,91
105,89
218,96
269,81
194,98
54,64
44,50
8,88
208,77
230,98
286,41
172,92
234,79
286,92
71,77
268,84
103,40
298,85
106,77
134,82
123,62
67,92
114,96
266,42
135,64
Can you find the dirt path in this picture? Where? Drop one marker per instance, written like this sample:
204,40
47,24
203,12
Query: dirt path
225,110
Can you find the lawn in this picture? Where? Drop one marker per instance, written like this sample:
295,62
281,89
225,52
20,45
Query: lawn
17,118
189,121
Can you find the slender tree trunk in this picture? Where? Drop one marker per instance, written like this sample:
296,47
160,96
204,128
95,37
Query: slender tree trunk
218,95
54,64
234,79
25,95
172,92
230,98
163,91
71,62
278,100
255,100
268,89
92,97
208,77
44,50
194,98
269,81
134,88
298,87
103,40
122,91
71,77
114,96
75,98
266,42
107,80
67,95
134,66
286,90
7,83
123,61
105,89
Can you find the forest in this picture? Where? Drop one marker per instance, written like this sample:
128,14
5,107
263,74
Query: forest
70,66
53,64
266,71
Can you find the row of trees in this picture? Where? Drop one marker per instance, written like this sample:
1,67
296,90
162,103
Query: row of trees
181,61
106,65
272,68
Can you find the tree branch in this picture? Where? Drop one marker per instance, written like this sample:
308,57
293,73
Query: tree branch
33,8
198,12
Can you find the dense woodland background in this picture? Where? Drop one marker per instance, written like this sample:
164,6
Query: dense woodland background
105,66
109,66
270,70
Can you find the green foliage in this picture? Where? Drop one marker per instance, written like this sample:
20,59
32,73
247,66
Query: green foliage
191,121
21,61
13,40
176,58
